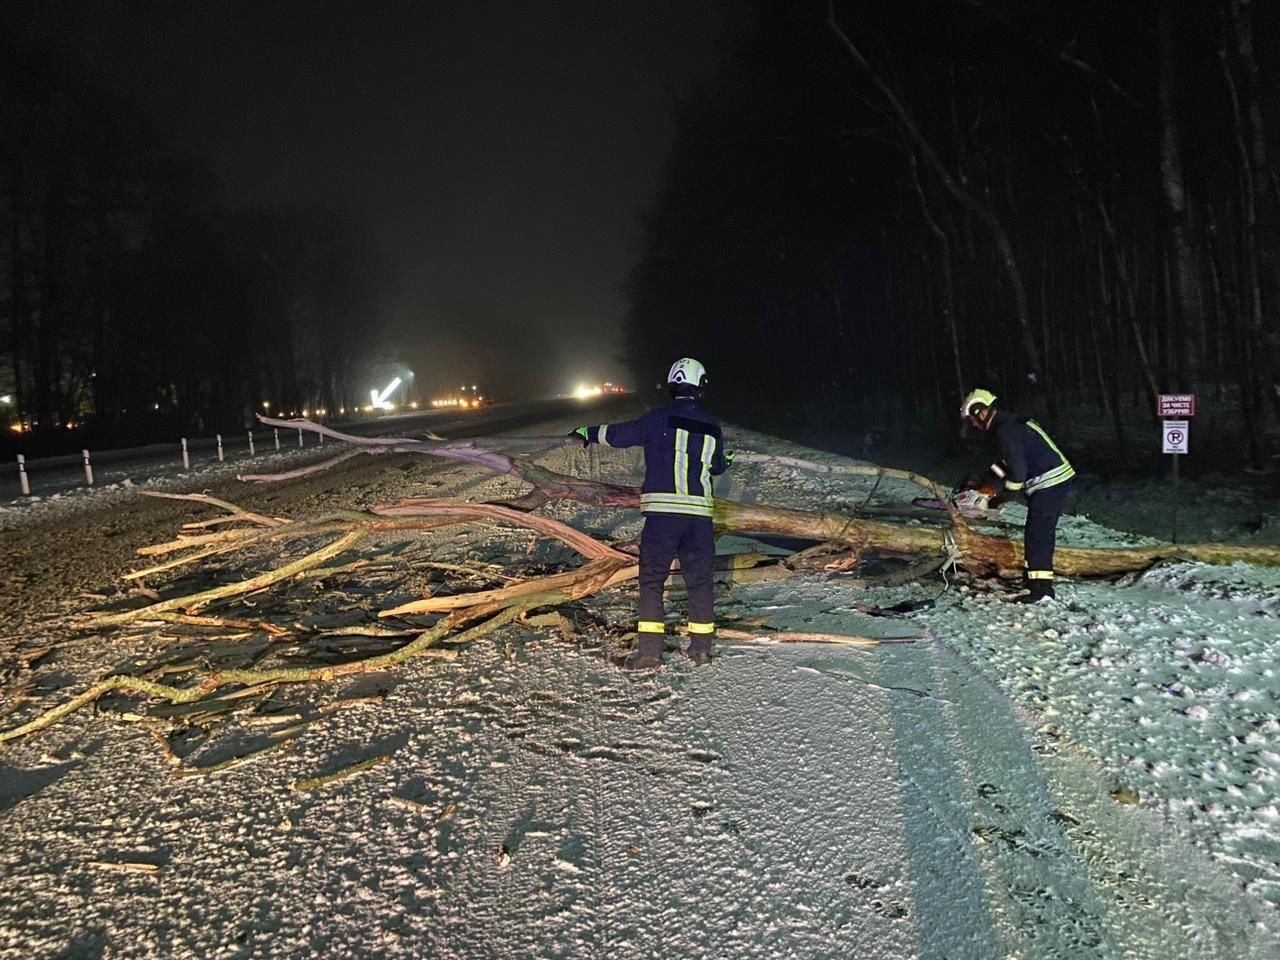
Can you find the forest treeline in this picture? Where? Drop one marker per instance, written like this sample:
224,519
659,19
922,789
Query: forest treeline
876,206
134,302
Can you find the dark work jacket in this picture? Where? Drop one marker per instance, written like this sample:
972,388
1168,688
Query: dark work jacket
1027,459
683,450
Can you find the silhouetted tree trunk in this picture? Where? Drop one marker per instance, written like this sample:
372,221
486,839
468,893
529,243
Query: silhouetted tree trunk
1183,298
948,306
1261,187
19,309
984,214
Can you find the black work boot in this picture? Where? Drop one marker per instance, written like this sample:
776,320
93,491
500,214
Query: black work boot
699,649
647,653
1040,590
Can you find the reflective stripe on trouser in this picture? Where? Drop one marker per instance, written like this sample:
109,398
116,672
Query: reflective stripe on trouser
700,628
651,626
692,539
1040,535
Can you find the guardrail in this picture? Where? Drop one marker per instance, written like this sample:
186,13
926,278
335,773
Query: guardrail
48,475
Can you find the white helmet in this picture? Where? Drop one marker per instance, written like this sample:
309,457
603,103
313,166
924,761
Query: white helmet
689,371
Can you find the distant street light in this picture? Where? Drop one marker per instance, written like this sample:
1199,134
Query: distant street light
379,399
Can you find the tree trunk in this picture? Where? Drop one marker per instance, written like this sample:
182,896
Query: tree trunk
18,290
948,283
1005,251
1183,300
1264,202
1250,398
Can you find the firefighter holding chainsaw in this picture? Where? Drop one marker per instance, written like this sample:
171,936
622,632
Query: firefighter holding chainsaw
1029,462
683,450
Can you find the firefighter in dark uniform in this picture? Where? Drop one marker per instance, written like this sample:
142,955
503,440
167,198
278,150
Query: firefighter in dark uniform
1028,461
683,450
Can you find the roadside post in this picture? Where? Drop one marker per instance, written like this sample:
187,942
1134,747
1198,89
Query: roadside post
88,470
1176,411
276,431
299,438
251,443
220,455
186,457
23,482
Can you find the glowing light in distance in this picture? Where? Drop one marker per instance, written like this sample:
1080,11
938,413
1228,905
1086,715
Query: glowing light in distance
380,399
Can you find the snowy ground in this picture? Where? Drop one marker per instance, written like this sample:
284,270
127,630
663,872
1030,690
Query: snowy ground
1093,778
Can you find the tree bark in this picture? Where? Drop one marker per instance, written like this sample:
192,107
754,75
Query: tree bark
1184,299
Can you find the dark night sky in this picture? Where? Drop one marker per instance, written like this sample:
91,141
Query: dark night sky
500,152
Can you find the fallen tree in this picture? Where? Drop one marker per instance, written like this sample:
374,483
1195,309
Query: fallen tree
980,553
850,537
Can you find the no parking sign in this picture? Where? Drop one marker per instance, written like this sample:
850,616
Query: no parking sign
1177,436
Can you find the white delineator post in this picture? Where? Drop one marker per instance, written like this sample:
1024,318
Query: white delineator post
88,470
23,482
220,454
251,443
299,438
186,457
277,433
322,439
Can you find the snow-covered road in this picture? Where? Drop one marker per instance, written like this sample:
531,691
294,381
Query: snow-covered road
1089,779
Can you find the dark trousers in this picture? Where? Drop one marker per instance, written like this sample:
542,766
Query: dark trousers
669,535
1040,536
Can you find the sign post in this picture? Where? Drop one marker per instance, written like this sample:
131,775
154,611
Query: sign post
1175,410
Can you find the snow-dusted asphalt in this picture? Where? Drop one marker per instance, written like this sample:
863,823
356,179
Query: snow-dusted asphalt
1094,778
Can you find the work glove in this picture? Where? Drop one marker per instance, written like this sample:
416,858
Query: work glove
582,434
728,460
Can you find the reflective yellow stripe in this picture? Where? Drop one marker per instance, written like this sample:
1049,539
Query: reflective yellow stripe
1039,574
603,435
680,508
1044,485
650,626
701,627
1051,479
675,498
1010,485
708,451
1059,474
1061,470
1052,446
682,462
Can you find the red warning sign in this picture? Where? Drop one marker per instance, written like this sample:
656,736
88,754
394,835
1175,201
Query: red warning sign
1176,405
